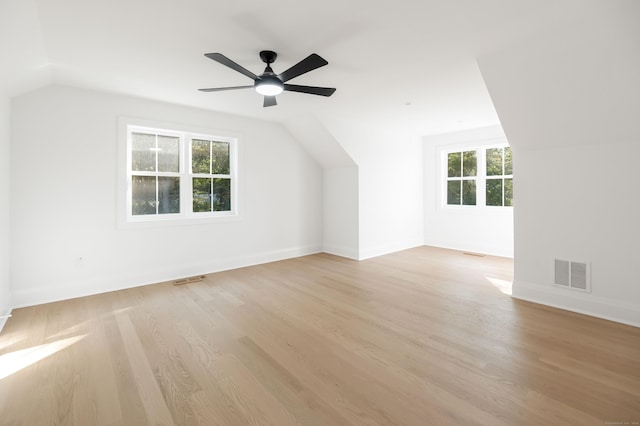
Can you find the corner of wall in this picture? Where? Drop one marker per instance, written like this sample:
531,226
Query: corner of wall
5,208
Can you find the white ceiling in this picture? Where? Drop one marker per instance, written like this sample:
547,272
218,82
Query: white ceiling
402,66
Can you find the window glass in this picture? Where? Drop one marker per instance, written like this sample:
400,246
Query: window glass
508,161
455,163
221,194
211,194
494,192
508,192
453,192
481,176
168,151
142,152
168,195
158,178
200,156
470,163
220,158
494,162
143,195
201,195
469,192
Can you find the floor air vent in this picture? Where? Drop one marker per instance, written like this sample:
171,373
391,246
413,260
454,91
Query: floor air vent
189,280
572,275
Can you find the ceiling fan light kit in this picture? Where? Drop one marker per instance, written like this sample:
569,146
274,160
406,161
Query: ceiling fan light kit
270,84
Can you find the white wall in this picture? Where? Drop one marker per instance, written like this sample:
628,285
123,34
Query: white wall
569,102
5,228
587,211
340,236
486,230
340,185
24,67
390,189
64,200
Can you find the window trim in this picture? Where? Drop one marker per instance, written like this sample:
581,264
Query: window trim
481,176
502,177
127,125
462,178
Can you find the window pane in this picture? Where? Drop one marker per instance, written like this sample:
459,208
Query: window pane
221,195
494,192
201,195
454,164
453,192
200,156
508,161
494,162
143,195
508,192
168,154
143,154
469,192
469,164
168,195
220,160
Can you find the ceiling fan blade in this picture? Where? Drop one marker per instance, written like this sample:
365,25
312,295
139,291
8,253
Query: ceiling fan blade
309,63
220,58
312,90
220,89
269,101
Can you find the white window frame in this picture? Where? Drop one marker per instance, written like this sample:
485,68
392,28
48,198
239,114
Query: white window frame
186,134
481,176
501,177
461,178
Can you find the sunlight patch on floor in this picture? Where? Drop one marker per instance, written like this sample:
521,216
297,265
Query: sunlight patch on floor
502,285
15,361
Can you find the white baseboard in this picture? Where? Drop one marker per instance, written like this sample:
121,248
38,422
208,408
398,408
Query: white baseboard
348,252
582,303
369,252
3,319
120,281
474,248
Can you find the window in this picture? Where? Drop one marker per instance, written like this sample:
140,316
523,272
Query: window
155,174
481,176
499,185
461,178
178,175
211,171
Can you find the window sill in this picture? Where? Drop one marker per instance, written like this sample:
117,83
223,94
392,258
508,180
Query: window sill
143,222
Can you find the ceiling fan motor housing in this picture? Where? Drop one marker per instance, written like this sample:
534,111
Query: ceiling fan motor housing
268,56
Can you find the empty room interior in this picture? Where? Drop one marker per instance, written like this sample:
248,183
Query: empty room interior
319,213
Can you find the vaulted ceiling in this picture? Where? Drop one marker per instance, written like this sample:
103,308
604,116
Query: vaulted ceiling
406,66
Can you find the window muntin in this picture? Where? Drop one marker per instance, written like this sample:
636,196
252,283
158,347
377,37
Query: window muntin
179,175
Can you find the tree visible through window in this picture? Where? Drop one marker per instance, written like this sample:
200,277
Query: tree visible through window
461,178
212,179
499,185
178,174
480,176
155,180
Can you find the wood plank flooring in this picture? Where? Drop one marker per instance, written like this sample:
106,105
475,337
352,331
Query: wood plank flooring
419,337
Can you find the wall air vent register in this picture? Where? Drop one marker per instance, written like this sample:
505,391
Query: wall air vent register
574,275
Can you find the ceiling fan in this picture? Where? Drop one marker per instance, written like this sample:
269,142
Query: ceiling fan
271,84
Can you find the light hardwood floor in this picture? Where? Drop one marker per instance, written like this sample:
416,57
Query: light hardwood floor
419,337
